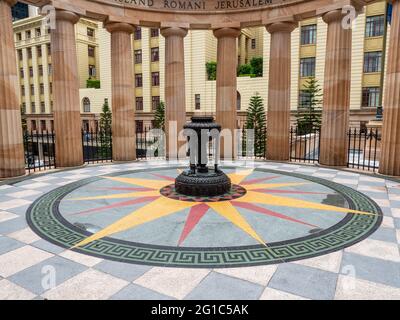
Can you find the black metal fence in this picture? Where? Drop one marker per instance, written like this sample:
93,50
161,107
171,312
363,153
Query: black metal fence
39,151
364,149
304,147
97,146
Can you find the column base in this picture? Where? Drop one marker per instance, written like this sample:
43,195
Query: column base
11,173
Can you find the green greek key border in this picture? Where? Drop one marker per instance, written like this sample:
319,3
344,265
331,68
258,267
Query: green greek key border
44,218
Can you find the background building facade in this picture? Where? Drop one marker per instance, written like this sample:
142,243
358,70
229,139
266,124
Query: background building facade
370,31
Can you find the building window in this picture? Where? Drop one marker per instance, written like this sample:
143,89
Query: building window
86,104
51,108
41,88
155,54
238,100
138,56
23,108
307,67
20,55
371,97
42,125
33,125
31,72
155,79
32,90
375,26
155,101
91,50
23,91
253,43
52,125
309,34
138,33
39,51
139,103
19,36
28,34
154,32
372,61
92,70
197,104
38,32
33,107
139,125
42,107
49,49
138,80
90,32
50,69
51,88
40,70
21,72
304,99
29,51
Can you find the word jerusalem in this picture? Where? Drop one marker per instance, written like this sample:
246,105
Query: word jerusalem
196,4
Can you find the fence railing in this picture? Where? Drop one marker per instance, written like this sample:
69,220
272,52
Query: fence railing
39,151
304,147
363,147
97,146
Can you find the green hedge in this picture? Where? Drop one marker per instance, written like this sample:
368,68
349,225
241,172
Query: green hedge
93,83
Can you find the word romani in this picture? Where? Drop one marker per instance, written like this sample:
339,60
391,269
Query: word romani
193,5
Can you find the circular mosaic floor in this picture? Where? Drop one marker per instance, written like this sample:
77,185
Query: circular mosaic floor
269,217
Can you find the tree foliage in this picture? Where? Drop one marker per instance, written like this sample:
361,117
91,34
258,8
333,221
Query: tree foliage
309,114
159,116
105,130
256,120
211,68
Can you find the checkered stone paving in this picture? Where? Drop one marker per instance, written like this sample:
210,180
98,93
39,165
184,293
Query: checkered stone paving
366,267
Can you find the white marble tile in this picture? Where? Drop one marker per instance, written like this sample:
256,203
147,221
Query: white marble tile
25,235
349,288
376,249
346,181
398,236
174,282
329,262
387,222
362,187
14,203
372,179
5,187
260,274
396,212
5,216
382,202
24,194
88,285
35,185
11,291
84,259
394,197
324,175
273,294
20,259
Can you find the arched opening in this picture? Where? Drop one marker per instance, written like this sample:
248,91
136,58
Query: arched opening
238,100
86,104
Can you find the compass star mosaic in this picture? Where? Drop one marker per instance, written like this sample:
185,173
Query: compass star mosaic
268,217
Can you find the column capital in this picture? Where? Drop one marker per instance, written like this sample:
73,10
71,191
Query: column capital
64,15
226,33
337,15
281,27
10,2
174,31
119,26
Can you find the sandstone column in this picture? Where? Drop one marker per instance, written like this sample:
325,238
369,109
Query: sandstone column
390,156
175,103
278,112
336,98
12,161
123,116
226,87
67,115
